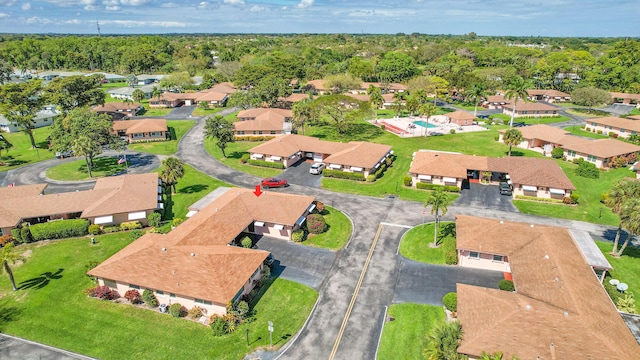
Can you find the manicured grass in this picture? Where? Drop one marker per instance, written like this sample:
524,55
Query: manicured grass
108,86
588,208
635,111
77,170
338,234
405,337
579,131
625,268
234,152
205,112
148,111
584,111
415,244
177,128
21,153
533,121
57,313
191,188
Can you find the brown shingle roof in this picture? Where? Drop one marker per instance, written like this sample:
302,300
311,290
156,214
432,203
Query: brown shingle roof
621,95
446,164
361,154
140,126
460,115
296,97
116,107
265,119
531,106
603,148
497,99
559,310
549,93
627,124
317,84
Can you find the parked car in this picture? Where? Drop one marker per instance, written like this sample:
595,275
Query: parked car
505,189
316,168
64,154
269,260
273,182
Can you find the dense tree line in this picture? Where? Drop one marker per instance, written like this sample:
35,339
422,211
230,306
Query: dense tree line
605,63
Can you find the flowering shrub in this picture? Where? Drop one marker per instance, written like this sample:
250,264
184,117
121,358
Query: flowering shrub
105,293
316,224
133,296
195,312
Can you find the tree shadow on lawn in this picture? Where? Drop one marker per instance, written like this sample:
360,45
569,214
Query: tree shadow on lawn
514,153
448,230
9,160
107,165
172,134
8,314
41,281
193,189
236,154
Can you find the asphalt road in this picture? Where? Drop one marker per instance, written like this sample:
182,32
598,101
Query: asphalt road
298,174
13,348
486,196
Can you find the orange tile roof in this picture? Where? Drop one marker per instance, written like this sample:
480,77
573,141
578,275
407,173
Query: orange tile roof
217,271
626,124
621,95
531,106
211,96
360,154
497,99
317,84
549,93
140,126
559,309
460,115
265,119
296,97
116,107
224,87
603,148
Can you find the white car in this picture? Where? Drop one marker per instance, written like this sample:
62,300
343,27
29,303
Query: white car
316,168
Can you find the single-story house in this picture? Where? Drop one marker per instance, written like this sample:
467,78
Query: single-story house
287,102
543,138
118,110
263,121
460,117
355,156
624,98
145,79
559,309
109,77
216,96
142,130
167,100
316,86
386,88
548,95
194,265
112,201
388,99
535,177
495,102
619,126
600,152
530,109
43,118
127,92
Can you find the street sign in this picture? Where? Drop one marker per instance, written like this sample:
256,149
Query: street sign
270,328
270,333
424,212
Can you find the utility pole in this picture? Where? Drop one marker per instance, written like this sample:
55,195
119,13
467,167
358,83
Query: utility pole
98,25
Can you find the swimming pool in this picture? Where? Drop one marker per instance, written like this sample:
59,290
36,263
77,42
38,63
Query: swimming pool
424,124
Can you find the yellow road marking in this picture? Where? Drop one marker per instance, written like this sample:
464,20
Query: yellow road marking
355,295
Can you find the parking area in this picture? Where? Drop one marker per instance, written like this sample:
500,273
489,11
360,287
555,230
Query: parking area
485,196
298,174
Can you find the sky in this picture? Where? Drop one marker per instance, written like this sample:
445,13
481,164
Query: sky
595,18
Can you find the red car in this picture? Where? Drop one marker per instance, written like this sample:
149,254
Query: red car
273,182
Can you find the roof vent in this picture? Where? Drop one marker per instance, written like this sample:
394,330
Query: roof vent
164,249
557,279
528,307
546,257
566,313
531,225
193,254
501,222
217,209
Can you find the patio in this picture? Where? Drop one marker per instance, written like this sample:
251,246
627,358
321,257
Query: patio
413,126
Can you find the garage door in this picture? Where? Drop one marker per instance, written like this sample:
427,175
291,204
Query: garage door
317,157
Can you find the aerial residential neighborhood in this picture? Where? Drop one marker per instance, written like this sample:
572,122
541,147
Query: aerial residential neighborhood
275,189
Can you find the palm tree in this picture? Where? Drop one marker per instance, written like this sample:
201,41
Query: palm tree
375,98
443,342
616,198
517,89
439,201
8,255
172,170
301,113
477,91
630,220
512,137
428,110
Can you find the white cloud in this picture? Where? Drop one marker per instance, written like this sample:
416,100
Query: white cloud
7,2
25,6
112,8
3,15
256,8
110,2
203,5
169,5
131,23
305,3
72,2
135,2
91,7
234,2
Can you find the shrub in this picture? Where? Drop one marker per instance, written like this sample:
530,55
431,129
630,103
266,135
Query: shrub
506,285
253,138
371,178
105,293
557,153
452,131
297,236
195,312
149,298
604,197
535,198
316,224
407,181
343,175
613,292
449,249
25,234
600,132
94,229
611,133
219,326
59,229
90,292
154,219
4,239
276,165
382,126
320,207
245,158
587,129
626,303
246,242
130,225
242,310
133,296
135,234
110,229
587,170
429,186
574,197
450,301
177,310
16,235
177,221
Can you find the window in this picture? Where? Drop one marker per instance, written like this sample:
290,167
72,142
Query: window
159,292
204,302
474,255
571,153
273,132
172,295
524,112
498,258
622,130
240,132
591,158
131,286
260,132
139,135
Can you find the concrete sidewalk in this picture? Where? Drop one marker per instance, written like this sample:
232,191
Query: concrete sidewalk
15,348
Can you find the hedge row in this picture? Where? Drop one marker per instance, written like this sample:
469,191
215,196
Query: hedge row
533,198
428,186
59,229
263,163
343,174
450,251
253,138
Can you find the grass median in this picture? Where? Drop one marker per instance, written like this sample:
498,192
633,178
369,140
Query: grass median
21,153
338,234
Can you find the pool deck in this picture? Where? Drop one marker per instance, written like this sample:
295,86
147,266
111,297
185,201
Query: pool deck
404,126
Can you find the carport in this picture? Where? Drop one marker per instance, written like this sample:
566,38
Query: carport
485,196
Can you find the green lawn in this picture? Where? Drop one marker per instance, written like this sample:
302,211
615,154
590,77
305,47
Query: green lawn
338,234
21,153
415,244
148,111
109,86
625,268
584,111
405,337
579,131
57,313
234,152
177,128
77,170
533,121
206,112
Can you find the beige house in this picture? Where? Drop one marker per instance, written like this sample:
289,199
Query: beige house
142,130
389,88
360,157
103,205
460,118
495,102
619,126
195,264
118,110
528,176
216,96
263,121
530,109
600,152
549,96
624,98
558,310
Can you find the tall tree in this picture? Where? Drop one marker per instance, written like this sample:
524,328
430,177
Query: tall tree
341,83
240,99
477,91
138,95
19,103
341,109
512,137
438,86
616,198
413,104
220,129
516,89
4,144
590,96
132,80
396,67
9,255
302,113
443,342
172,171
269,89
427,110
155,93
439,201
375,98
75,91
5,71
630,219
